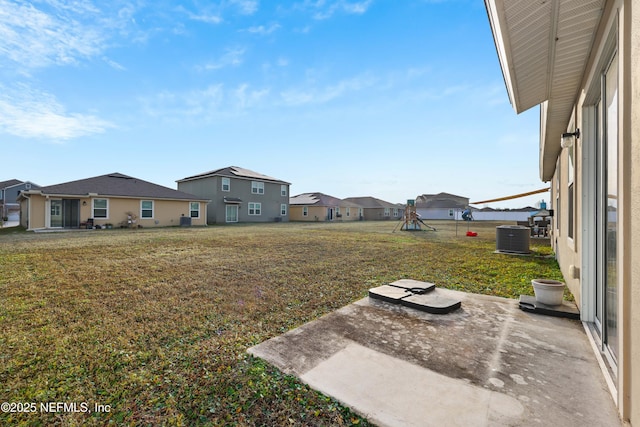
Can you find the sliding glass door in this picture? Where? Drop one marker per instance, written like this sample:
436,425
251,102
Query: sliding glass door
64,213
607,212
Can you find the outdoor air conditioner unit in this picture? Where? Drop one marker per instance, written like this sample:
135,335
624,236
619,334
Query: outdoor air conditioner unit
513,239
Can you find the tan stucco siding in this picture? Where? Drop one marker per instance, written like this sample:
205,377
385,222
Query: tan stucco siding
166,213
352,211
631,394
314,213
622,19
36,210
567,247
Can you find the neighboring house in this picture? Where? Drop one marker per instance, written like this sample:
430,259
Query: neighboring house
579,61
441,206
109,199
9,190
240,195
321,207
376,209
507,215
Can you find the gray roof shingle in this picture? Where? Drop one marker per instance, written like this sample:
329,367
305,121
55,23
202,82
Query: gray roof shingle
371,202
234,172
10,183
117,184
319,199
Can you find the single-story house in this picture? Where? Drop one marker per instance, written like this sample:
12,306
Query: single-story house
240,195
114,199
376,209
441,206
579,63
322,207
9,190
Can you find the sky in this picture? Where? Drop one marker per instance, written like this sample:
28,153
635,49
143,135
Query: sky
350,98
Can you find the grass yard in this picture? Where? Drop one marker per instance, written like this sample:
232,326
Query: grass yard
153,324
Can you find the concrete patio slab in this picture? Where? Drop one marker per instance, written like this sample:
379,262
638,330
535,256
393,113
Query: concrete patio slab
486,364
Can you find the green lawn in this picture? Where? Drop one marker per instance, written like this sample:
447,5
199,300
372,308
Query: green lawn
154,324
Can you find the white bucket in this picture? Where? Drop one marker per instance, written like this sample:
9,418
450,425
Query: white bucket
547,291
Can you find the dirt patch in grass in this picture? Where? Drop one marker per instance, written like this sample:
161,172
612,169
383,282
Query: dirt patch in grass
154,324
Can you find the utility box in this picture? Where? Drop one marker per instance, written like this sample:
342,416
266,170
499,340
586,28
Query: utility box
513,239
185,221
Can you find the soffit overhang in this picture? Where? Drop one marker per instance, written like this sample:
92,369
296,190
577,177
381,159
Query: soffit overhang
543,47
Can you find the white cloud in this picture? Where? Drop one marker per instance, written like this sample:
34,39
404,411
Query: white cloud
179,105
33,38
298,97
207,104
262,30
113,64
246,7
323,9
232,57
30,113
282,62
206,18
244,97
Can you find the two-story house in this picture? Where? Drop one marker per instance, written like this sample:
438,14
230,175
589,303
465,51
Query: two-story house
240,195
9,190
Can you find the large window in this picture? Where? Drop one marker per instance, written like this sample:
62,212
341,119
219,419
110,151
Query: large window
257,187
100,208
255,208
146,209
194,209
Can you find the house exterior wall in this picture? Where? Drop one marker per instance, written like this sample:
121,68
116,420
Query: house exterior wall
320,213
352,213
208,188
376,214
632,305
9,206
166,213
314,213
211,188
10,194
574,237
498,215
435,213
34,207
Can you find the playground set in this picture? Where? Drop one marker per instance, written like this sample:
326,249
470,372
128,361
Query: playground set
411,221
